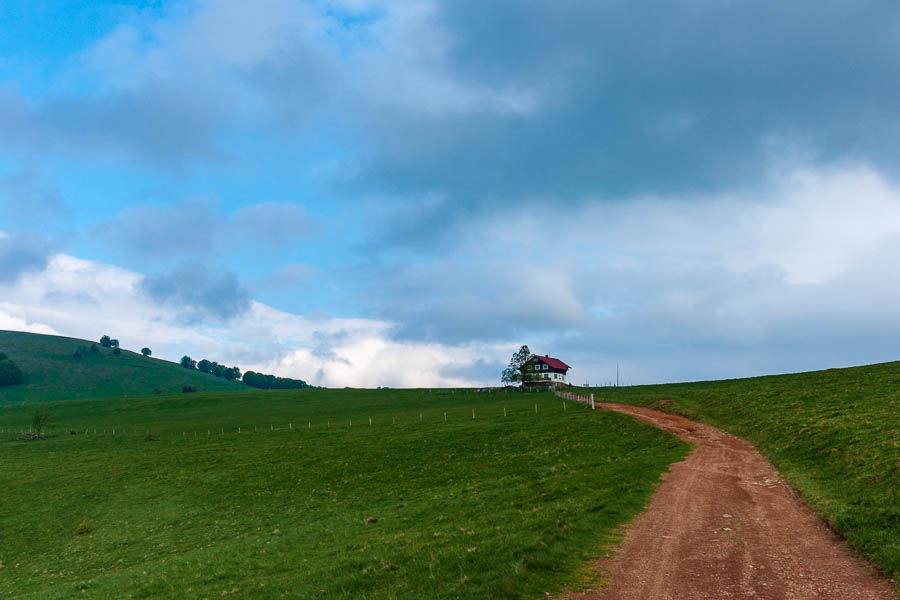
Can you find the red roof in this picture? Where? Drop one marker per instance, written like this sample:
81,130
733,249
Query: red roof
553,363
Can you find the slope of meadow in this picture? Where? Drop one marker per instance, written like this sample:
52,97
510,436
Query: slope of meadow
53,373
834,434
311,501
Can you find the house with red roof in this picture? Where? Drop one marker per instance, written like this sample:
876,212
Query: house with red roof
546,370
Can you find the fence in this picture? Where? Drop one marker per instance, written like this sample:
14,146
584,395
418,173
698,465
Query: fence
586,400
457,414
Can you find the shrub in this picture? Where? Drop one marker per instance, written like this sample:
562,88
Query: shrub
116,351
10,374
188,389
40,419
82,527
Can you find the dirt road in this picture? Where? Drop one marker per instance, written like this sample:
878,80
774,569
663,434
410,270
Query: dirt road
724,525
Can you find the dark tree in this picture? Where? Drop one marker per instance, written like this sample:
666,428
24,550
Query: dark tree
517,371
146,351
204,366
10,374
40,419
114,343
105,341
188,363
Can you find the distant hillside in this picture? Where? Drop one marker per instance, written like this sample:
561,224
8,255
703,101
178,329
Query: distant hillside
53,373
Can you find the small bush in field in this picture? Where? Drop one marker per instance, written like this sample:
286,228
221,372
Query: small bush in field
82,527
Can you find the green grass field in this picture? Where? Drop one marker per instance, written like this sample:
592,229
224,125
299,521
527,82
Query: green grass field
52,373
834,434
301,504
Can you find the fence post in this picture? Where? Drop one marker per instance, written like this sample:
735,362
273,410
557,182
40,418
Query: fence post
592,403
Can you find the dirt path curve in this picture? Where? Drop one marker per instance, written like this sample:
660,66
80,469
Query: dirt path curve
724,525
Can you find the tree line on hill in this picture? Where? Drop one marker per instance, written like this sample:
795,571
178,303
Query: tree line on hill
211,367
10,374
251,378
271,382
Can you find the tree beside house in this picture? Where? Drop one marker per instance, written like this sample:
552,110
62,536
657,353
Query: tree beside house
534,370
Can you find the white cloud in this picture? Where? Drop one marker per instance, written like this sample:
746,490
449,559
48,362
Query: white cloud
86,299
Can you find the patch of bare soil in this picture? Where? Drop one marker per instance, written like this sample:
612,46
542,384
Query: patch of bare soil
723,524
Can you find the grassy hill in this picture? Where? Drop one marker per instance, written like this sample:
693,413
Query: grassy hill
311,501
53,373
834,434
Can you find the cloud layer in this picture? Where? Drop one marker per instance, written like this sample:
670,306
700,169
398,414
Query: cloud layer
688,189
79,298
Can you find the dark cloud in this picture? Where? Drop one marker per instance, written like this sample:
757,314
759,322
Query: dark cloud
164,124
27,195
449,302
669,98
272,223
289,276
200,228
197,292
480,370
22,253
192,227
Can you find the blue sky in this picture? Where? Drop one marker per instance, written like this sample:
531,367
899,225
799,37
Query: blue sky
362,192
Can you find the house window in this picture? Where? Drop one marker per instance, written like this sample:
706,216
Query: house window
529,367
546,376
545,367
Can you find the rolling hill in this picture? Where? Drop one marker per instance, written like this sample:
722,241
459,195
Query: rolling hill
53,373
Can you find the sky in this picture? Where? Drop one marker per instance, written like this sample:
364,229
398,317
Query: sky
374,193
